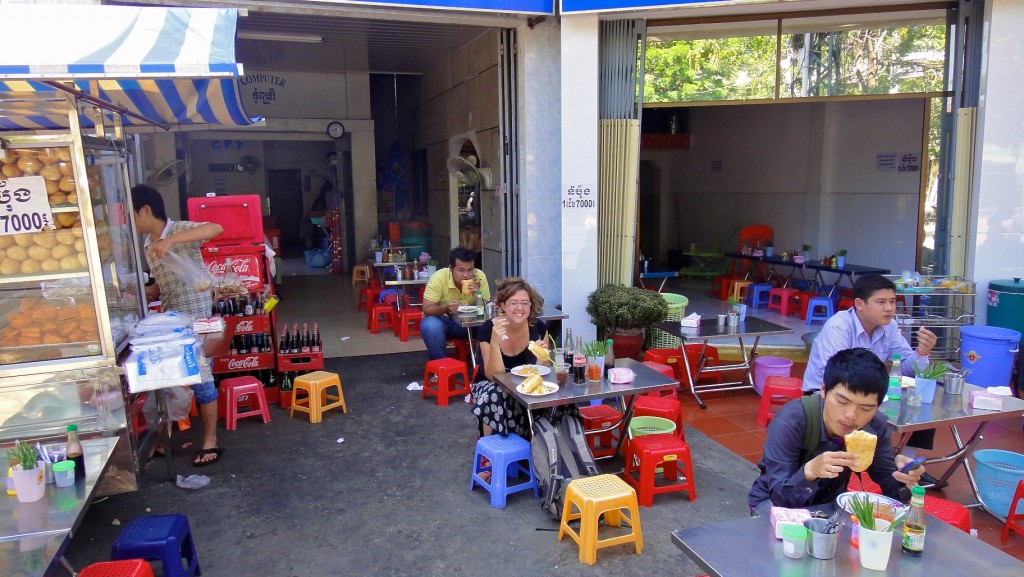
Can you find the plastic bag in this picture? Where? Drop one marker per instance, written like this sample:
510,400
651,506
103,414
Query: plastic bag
179,403
194,275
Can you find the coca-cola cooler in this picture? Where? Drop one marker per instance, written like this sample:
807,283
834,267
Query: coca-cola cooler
242,243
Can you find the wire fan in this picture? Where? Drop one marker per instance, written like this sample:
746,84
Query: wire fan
463,170
251,164
167,174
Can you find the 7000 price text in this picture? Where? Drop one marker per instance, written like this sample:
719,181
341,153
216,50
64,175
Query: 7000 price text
27,222
577,203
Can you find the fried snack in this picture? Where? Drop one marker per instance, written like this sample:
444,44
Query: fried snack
528,371
466,287
533,385
540,352
861,443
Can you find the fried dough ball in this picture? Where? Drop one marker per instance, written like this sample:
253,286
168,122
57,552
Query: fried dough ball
10,266
23,239
30,266
69,263
67,183
66,168
50,172
11,170
38,253
50,265
17,252
60,251
45,239
30,165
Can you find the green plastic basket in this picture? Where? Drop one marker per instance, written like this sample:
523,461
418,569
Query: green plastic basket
640,426
659,339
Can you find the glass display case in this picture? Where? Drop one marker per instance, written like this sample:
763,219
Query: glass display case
70,288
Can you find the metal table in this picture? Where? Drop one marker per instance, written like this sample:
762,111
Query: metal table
34,535
768,264
951,411
708,331
664,275
647,380
704,263
948,551
404,283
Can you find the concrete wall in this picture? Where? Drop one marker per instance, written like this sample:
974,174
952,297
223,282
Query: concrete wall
808,170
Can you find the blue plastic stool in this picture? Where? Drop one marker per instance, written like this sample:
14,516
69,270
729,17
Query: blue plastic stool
386,292
503,452
755,292
167,538
816,303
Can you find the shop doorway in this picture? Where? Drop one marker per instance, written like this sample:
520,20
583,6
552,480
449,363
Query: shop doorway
285,191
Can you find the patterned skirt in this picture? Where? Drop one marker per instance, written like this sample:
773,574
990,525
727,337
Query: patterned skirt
502,412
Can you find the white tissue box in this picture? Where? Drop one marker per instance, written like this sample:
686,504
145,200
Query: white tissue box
986,401
692,321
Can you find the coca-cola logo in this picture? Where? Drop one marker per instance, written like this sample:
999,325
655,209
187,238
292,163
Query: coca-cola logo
241,266
246,363
245,326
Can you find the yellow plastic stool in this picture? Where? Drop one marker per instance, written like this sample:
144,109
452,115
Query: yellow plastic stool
361,273
592,496
316,384
739,289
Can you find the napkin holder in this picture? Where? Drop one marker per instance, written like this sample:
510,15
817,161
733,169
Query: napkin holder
691,321
781,517
621,376
985,400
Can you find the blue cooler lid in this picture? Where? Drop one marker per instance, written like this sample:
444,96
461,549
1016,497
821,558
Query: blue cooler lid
1014,285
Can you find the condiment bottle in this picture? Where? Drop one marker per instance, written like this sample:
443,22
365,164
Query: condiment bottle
74,452
913,525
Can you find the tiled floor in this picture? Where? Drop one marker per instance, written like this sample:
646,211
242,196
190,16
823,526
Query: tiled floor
730,417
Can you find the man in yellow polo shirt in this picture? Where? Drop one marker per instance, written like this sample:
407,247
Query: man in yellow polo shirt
441,300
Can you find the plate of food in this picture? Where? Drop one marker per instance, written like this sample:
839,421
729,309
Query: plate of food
468,310
843,501
536,386
530,370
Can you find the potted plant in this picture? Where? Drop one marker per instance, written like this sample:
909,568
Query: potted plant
28,473
841,258
623,313
769,247
926,377
739,307
802,256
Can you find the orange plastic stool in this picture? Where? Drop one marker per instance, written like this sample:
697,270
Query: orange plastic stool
587,499
446,386
242,391
779,299
382,316
720,285
1013,517
668,452
775,386
367,296
408,323
125,568
953,513
738,289
461,348
317,399
361,273
600,417
666,408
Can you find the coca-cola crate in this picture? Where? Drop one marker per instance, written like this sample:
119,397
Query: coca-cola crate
249,362
246,325
285,399
248,262
300,362
273,394
239,214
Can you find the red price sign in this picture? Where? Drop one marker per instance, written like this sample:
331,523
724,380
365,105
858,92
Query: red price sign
24,206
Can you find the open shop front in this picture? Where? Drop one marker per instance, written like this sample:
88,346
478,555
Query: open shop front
70,274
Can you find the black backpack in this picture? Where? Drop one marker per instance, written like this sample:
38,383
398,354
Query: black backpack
560,454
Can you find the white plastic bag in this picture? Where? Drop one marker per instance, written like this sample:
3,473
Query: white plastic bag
179,402
194,275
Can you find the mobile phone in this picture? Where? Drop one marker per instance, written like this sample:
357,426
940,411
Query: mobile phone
917,462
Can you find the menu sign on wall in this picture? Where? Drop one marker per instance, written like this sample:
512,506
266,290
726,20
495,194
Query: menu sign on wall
24,206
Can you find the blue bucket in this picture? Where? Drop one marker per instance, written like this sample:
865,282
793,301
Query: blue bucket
988,352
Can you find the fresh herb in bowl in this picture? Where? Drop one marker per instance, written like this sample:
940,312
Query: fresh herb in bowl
23,454
934,370
864,510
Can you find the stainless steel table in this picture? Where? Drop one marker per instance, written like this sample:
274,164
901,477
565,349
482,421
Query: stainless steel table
746,547
647,381
709,331
404,283
950,411
34,535
767,265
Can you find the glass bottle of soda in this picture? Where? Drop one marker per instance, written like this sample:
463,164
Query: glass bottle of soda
579,363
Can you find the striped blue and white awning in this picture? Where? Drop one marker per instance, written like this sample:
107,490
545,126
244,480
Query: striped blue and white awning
173,65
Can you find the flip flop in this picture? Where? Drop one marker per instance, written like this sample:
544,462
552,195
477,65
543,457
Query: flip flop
197,462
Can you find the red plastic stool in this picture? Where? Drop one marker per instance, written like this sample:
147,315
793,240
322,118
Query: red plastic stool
408,323
649,452
665,370
461,348
446,386
845,303
367,296
720,285
779,299
775,386
953,513
710,359
382,316
666,408
242,391
1013,517
600,417
126,568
